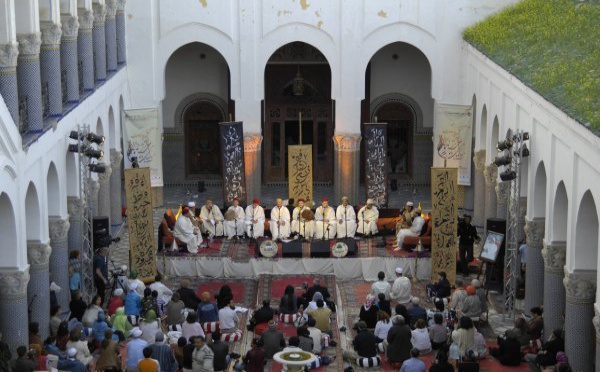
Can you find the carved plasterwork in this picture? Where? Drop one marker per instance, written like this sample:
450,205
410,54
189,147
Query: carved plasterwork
86,18
104,178
534,231
580,287
490,175
51,33
99,13
479,160
115,158
8,55
29,44
13,284
70,27
59,229
75,207
349,142
502,192
38,253
111,8
555,257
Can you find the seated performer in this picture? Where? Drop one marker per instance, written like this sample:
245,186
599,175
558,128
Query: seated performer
325,221
413,230
346,219
235,220
255,220
367,219
194,213
406,216
300,225
280,221
187,232
212,220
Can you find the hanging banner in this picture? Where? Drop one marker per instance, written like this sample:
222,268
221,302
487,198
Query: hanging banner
444,214
300,172
234,174
142,245
142,140
452,139
376,163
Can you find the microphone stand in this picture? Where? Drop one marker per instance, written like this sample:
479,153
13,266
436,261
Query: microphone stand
363,216
323,222
278,223
346,220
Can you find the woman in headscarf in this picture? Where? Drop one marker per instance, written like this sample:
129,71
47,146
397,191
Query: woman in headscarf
368,311
83,352
289,302
149,326
120,322
224,297
99,327
312,305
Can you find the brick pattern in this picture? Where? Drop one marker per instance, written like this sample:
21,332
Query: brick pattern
111,44
8,91
38,295
14,322
68,62
86,57
120,35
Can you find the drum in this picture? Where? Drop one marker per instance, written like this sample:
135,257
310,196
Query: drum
230,215
308,215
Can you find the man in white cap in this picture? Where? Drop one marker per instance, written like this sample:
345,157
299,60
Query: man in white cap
211,219
194,215
325,221
406,216
280,221
415,229
135,350
346,218
401,289
186,231
235,223
71,363
367,219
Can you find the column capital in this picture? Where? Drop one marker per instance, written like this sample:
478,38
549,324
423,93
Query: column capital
29,44
115,158
70,27
99,13
502,192
348,142
490,175
555,256
252,142
75,207
86,18
121,5
13,284
38,253
479,160
51,33
59,229
534,232
103,178
8,55
111,8
580,286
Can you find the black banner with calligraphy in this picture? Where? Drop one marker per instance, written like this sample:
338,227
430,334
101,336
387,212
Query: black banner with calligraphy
444,215
142,245
234,174
376,163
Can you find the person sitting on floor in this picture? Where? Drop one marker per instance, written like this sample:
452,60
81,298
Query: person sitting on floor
363,345
463,339
383,304
416,312
547,355
272,340
306,342
381,286
316,335
207,310
438,333
441,363
536,324
508,351
420,337
398,340
288,303
368,312
441,288
414,364
382,327
188,296
439,309
471,306
458,296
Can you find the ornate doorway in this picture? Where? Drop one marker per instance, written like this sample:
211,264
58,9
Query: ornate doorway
298,80
202,146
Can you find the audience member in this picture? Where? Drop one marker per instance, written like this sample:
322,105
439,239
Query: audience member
562,362
120,323
471,306
508,352
381,286
188,296
148,303
441,363
368,311
316,335
35,341
178,352
439,309
546,357
519,331
99,327
140,287
91,313
224,297
306,343
191,327
420,337
207,310
317,287
414,364
402,288
135,349
416,312
23,363
463,339
71,363
164,293
272,340
228,319
438,332
109,354
254,360
481,293
202,357
163,353
288,303
149,326
439,289
83,352
77,306
536,324
221,352
363,345
321,315
54,320
133,302
188,351
148,364
399,345
264,314
382,327
383,304
175,310
458,296
115,301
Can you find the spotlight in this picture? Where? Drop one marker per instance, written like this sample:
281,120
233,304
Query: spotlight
97,168
75,135
503,145
73,148
508,175
524,151
502,160
94,138
96,154
525,136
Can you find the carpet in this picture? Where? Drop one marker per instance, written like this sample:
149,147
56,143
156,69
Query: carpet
244,290
219,247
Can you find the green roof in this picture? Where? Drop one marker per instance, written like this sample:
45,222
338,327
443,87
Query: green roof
552,46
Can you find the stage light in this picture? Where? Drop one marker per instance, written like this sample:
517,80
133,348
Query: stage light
524,151
525,136
97,168
502,160
94,138
503,145
95,154
75,135
73,148
508,175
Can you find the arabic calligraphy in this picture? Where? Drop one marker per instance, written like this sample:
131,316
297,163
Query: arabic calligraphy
376,163
444,213
234,177
300,172
142,247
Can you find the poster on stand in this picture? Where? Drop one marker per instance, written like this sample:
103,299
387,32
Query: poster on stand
452,139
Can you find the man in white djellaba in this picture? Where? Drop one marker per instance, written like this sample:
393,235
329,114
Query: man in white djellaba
212,220
324,221
255,220
280,221
346,218
186,231
414,230
367,219
301,226
235,225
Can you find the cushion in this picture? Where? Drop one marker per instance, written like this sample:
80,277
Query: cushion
171,217
289,318
368,362
210,327
231,337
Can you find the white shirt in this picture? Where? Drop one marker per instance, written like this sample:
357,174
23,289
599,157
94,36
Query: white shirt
420,339
345,213
228,318
315,334
239,212
382,329
164,292
381,286
401,290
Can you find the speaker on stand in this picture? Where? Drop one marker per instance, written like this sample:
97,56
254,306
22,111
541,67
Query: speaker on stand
101,232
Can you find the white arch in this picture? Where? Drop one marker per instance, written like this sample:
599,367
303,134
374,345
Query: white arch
32,214
72,174
483,128
53,191
190,33
561,205
539,192
493,139
406,33
112,132
8,232
586,234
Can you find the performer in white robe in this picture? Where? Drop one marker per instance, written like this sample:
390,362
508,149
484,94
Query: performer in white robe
237,225
367,219
325,221
346,218
414,230
212,220
299,225
255,220
186,231
280,221
195,220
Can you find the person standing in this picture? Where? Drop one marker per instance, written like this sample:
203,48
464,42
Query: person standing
280,221
467,235
255,219
235,226
325,221
101,272
346,218
367,219
212,220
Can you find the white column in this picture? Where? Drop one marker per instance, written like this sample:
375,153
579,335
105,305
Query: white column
479,184
116,218
104,197
490,174
13,301
38,289
346,168
502,196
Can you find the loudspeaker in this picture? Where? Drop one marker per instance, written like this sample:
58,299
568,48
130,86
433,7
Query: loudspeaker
100,226
292,249
496,275
320,249
351,243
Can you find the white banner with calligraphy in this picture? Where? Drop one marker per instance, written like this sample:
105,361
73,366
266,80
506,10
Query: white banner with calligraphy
142,245
452,139
300,172
142,142
444,218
